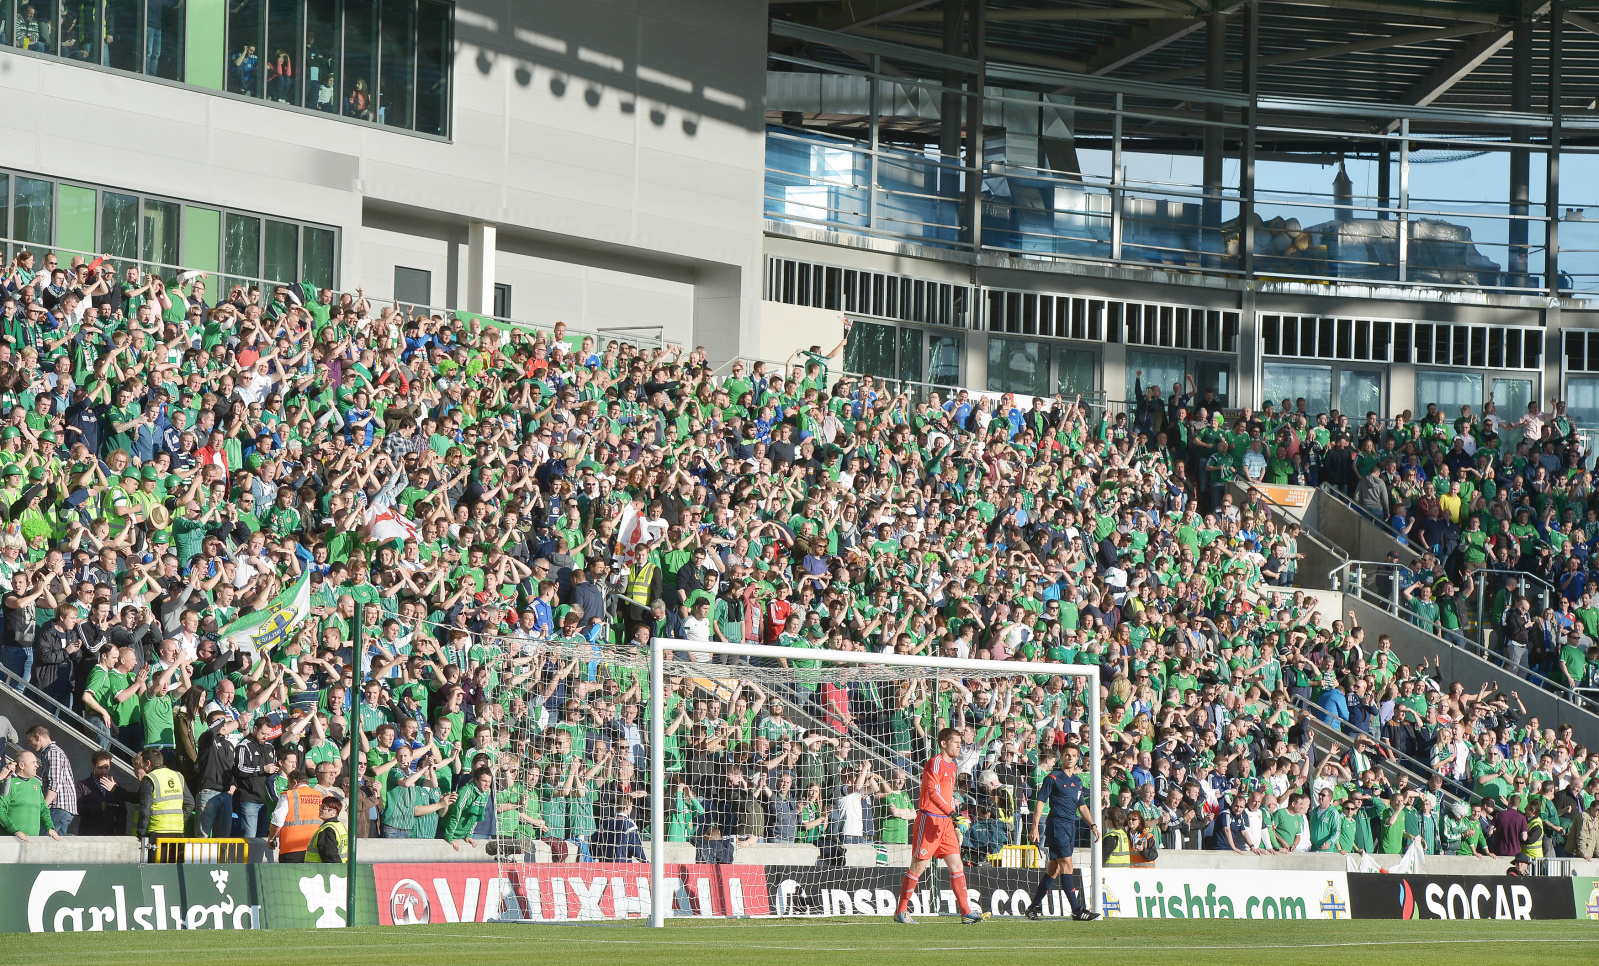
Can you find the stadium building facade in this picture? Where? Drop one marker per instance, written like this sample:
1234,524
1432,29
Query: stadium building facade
1373,205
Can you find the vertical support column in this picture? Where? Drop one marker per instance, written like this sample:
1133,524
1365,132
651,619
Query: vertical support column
1384,183
481,240
1214,142
1117,195
1404,197
1520,158
874,104
949,109
660,903
978,29
1551,195
1246,174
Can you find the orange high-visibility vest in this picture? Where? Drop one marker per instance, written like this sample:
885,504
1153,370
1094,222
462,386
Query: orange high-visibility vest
305,814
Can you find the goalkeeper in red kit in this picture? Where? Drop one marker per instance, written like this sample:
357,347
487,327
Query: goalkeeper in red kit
934,836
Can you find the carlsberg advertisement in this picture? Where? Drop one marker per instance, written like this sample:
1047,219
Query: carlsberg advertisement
120,898
1218,894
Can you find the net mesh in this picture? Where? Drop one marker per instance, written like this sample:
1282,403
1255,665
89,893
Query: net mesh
788,790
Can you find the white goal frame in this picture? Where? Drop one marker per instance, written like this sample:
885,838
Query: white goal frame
661,904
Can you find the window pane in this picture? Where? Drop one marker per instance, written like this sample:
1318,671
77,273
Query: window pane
36,26
412,286
1213,375
241,248
1582,400
910,355
1511,397
124,35
433,67
870,350
163,38
398,62
1078,372
944,360
360,55
283,75
161,228
1450,390
119,224
33,206
5,207
1284,384
74,221
1160,369
322,54
80,31
1359,393
1017,365
282,252
318,265
246,28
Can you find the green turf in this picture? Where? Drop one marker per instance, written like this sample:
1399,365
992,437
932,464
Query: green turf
834,942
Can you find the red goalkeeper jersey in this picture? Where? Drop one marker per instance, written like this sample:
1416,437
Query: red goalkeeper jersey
938,786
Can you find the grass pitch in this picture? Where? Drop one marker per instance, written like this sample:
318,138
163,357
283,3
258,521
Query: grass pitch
935,942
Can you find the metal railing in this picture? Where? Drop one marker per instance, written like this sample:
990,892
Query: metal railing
600,336
48,705
1392,762
1315,536
1365,578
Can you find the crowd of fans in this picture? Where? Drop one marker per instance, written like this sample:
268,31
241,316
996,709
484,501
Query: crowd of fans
172,463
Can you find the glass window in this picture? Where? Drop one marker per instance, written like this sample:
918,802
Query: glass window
163,38
944,360
1450,390
412,286
283,76
1510,398
1161,369
870,350
1582,400
241,249
124,35
1215,375
162,221
74,221
33,206
1359,393
36,26
360,59
502,300
317,267
246,39
910,355
5,208
1283,384
282,252
119,224
322,32
1078,371
1018,365
397,73
432,67
80,31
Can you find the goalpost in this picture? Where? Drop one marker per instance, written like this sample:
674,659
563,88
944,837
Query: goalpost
813,666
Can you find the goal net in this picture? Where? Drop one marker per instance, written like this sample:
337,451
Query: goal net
740,780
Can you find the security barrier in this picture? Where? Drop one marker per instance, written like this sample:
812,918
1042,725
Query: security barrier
201,851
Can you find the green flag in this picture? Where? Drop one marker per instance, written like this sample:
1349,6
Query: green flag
270,627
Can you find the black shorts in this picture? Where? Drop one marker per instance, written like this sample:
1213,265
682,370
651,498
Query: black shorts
1061,840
